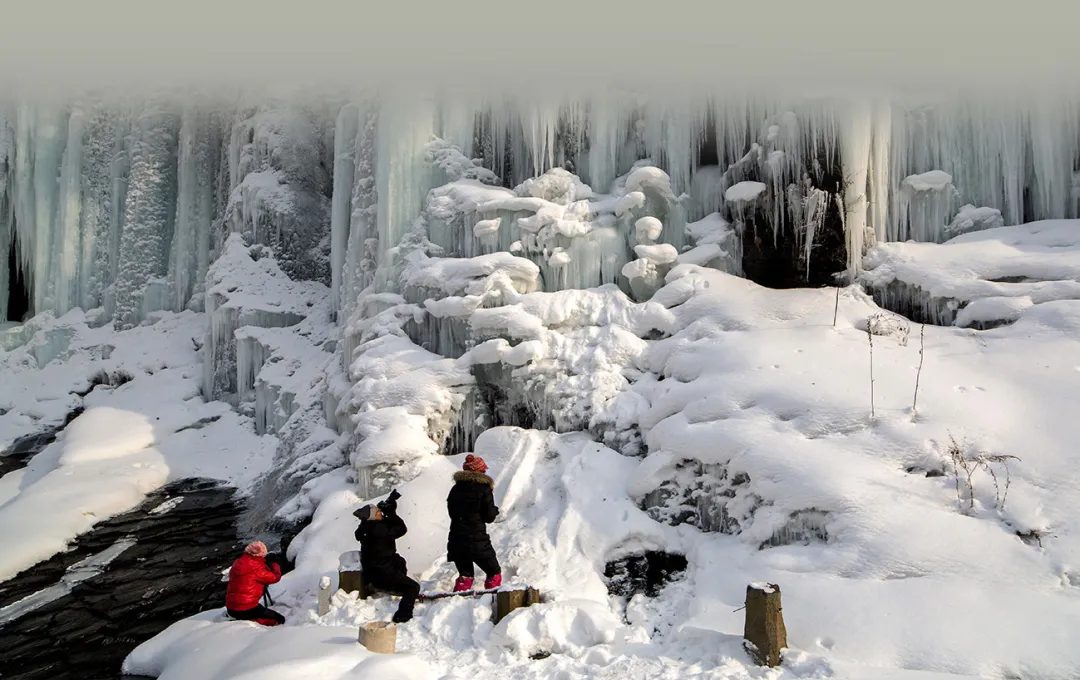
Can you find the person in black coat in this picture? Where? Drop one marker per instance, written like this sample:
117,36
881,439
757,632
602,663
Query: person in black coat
383,567
471,505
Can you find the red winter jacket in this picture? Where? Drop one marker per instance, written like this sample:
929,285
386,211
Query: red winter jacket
248,579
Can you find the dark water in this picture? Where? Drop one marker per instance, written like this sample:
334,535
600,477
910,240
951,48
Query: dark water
18,455
171,570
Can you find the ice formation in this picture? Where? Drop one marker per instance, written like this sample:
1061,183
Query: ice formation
381,279
124,205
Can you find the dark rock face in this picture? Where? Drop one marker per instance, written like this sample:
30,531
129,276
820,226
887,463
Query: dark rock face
172,571
780,261
647,573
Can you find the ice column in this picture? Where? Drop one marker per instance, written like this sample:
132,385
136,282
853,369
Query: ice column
196,175
345,132
879,169
403,176
66,277
855,142
7,232
149,211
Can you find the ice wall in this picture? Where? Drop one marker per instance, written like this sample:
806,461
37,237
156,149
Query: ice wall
123,203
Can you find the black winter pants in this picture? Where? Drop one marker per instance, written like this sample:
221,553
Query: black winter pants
258,612
484,558
396,583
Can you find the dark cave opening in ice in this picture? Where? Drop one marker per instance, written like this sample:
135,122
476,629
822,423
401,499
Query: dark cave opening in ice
19,305
646,573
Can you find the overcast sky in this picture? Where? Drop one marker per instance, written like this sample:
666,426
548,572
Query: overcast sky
547,45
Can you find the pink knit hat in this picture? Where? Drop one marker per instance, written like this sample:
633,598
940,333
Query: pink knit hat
256,549
474,464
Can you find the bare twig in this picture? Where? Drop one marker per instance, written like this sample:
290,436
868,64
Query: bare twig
918,374
870,338
972,464
836,309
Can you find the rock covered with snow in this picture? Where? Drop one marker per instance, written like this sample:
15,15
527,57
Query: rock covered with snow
744,192
934,180
983,278
970,218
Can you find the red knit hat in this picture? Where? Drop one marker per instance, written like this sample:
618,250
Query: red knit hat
474,464
256,549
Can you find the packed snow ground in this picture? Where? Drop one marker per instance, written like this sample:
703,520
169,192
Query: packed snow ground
891,565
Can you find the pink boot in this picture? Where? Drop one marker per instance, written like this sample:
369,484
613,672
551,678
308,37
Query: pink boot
462,584
493,582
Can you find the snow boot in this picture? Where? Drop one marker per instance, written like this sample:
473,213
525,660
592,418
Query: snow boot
493,582
462,584
402,617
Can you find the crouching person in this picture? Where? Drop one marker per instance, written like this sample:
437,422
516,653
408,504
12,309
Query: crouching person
471,505
248,579
383,568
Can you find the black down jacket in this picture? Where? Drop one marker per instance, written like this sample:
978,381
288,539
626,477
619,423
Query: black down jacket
471,505
378,545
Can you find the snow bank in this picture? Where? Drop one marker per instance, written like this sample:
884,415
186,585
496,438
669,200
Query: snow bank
1017,267
203,648
132,438
105,466
768,437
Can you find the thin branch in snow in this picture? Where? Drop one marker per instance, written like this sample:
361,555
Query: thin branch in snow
918,374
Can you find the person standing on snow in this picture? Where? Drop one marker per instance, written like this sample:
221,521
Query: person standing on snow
383,568
248,579
471,505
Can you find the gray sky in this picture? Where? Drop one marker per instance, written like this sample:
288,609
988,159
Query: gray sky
548,46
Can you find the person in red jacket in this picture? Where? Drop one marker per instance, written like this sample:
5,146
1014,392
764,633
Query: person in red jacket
248,579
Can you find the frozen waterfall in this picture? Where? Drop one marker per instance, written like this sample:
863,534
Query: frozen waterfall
121,204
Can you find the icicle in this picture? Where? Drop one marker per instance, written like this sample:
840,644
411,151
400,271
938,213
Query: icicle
609,126
673,133
66,275
149,211
539,123
362,253
457,122
50,140
341,207
879,169
196,174
855,142
7,226
98,142
403,177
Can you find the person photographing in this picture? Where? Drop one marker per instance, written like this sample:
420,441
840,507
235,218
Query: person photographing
248,579
380,527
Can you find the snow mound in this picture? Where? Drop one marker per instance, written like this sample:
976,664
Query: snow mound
969,218
934,180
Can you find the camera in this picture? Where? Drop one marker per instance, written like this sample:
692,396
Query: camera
389,506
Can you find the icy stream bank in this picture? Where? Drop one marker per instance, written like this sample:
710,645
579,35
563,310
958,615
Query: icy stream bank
78,614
